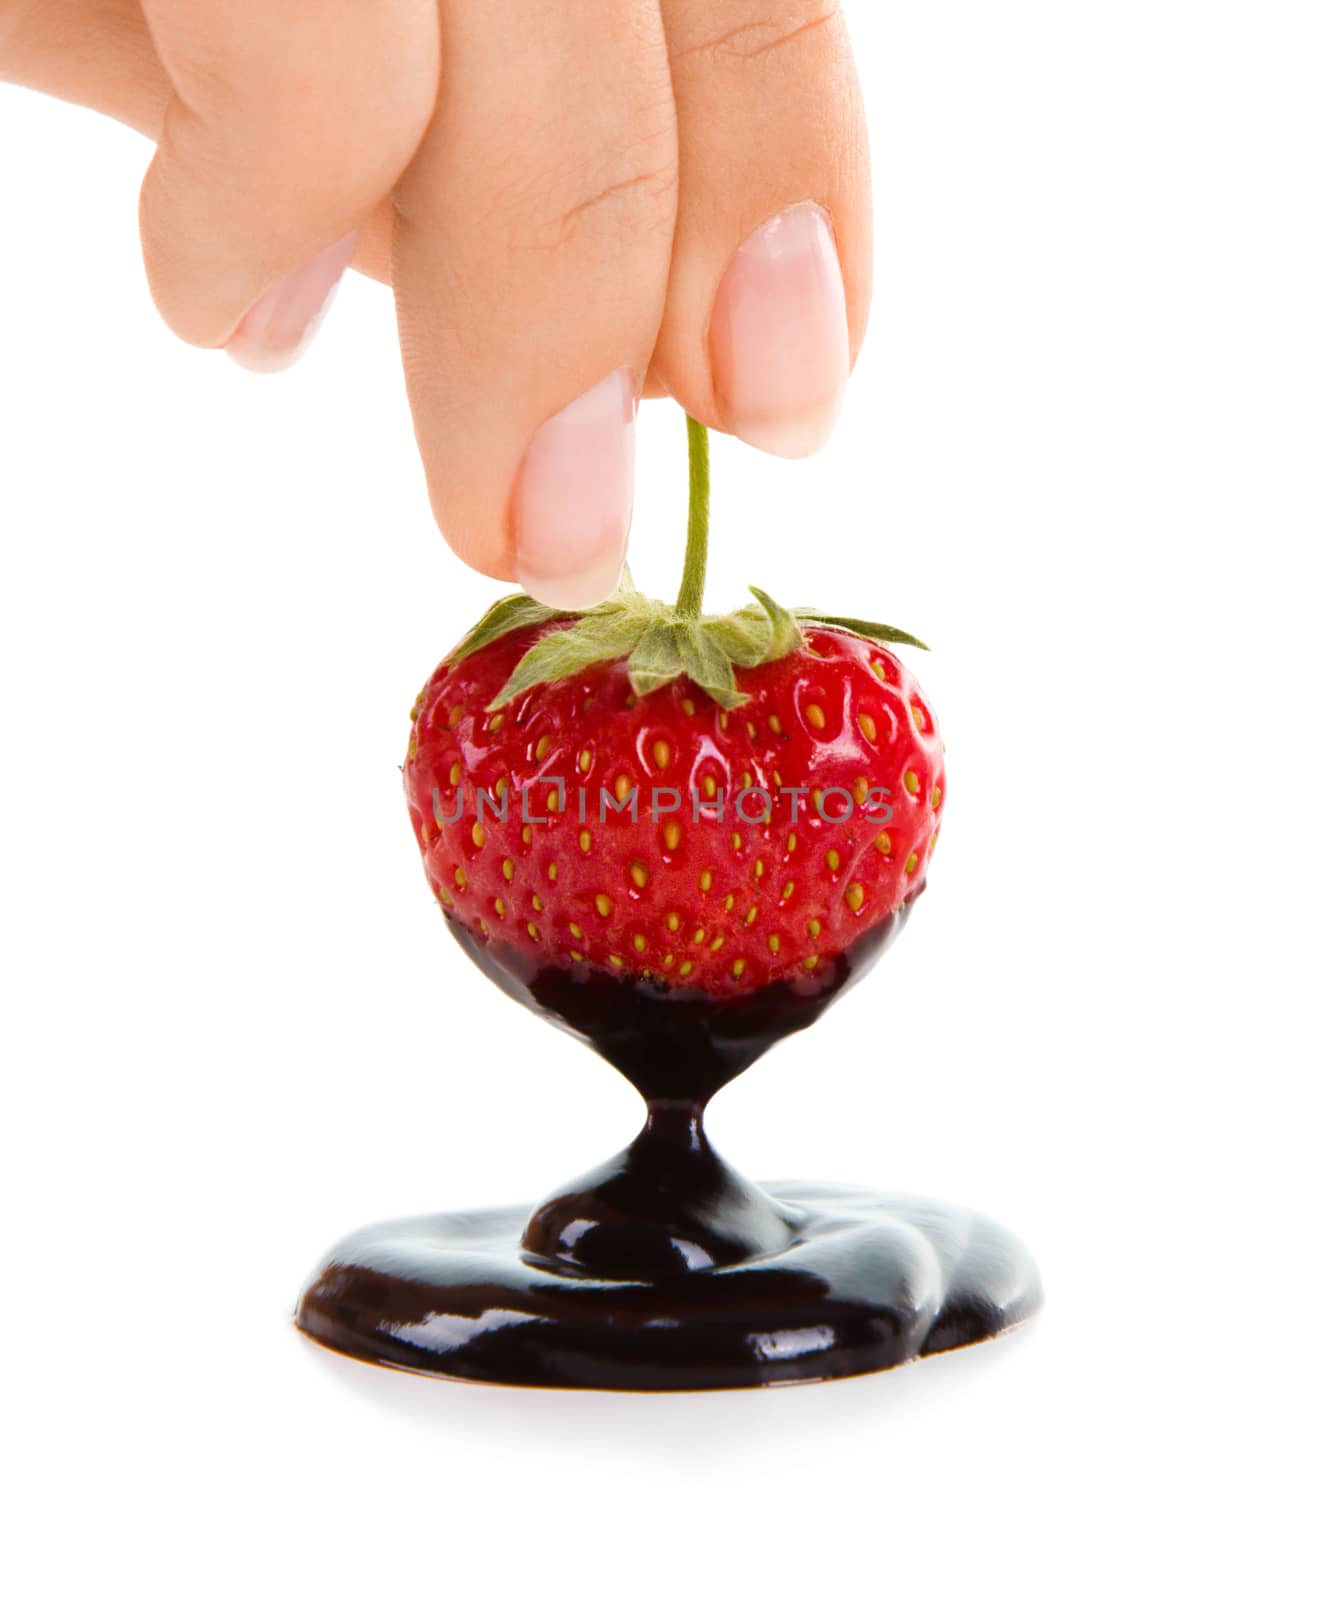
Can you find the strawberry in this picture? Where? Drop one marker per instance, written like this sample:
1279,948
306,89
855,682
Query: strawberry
710,804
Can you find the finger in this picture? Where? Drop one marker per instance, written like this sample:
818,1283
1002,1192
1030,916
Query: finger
98,53
531,250
288,123
95,53
769,290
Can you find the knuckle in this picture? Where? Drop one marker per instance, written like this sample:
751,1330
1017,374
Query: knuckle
792,30
276,98
636,202
574,195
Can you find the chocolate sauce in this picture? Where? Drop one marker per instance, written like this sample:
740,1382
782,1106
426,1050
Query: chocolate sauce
664,1268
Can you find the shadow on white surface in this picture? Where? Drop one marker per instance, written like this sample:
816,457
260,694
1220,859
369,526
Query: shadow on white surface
710,1423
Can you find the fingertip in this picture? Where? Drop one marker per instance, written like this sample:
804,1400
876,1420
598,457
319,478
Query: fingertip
573,591
571,506
278,328
779,343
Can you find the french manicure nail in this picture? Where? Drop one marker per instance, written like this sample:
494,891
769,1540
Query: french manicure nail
572,502
778,340
283,321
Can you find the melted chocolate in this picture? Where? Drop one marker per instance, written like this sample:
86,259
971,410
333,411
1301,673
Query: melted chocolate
664,1268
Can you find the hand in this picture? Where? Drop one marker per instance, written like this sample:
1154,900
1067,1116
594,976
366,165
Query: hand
576,201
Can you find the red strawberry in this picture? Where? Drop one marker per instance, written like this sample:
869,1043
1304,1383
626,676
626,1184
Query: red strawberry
822,750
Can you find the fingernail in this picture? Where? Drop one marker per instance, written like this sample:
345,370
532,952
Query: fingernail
572,501
283,321
778,340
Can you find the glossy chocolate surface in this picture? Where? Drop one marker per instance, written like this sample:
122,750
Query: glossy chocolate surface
664,1268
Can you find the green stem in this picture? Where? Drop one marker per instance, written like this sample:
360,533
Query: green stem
690,599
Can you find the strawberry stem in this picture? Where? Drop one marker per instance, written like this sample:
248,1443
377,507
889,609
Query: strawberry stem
690,598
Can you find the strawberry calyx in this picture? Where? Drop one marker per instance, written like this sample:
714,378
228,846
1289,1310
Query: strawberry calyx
661,642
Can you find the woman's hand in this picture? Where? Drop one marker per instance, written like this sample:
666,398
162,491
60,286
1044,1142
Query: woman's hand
576,201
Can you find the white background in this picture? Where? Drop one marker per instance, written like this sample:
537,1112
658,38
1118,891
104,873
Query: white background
1078,458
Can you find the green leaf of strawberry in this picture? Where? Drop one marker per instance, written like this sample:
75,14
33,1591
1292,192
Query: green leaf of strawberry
865,630
707,664
783,632
513,611
604,634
